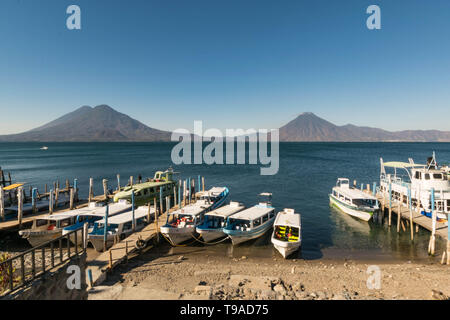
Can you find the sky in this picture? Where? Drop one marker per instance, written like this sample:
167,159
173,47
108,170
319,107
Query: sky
231,64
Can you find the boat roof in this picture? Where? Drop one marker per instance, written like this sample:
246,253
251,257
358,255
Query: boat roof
113,208
66,214
144,185
227,210
399,164
354,193
253,212
128,216
191,209
288,217
13,186
214,191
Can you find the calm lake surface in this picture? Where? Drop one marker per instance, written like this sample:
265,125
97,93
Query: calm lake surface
307,173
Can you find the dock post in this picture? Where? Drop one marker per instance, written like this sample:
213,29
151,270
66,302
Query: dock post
2,203
71,199
91,189
190,189
75,190
184,193
160,200
432,243
411,214
85,235
399,213
20,205
46,189
203,183
110,259
390,204
50,202
33,199
131,181
174,196
91,282
179,196
156,220
56,196
133,222
105,188
105,228
199,184
118,182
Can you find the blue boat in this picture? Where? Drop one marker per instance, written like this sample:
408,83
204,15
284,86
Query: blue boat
251,223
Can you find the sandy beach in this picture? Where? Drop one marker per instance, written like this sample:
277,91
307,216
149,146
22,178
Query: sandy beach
176,276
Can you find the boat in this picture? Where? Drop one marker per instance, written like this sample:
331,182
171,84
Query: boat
251,223
181,224
419,181
118,227
97,214
27,207
146,192
212,227
44,148
286,236
353,201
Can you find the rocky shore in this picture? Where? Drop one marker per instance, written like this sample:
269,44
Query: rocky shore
151,276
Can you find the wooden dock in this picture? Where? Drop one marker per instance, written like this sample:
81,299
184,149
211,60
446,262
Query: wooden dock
122,250
417,218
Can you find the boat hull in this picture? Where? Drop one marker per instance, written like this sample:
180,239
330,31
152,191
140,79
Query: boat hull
209,235
97,241
177,235
36,238
286,248
363,215
238,237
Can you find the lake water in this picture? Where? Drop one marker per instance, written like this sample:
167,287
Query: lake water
307,173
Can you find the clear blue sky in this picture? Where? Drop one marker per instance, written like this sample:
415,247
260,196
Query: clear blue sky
230,63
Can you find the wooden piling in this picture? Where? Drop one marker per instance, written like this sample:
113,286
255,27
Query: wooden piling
33,199
85,235
56,197
390,204
71,199
203,183
184,193
432,245
105,188
91,189
110,259
156,220
118,182
399,212
50,202
20,205
2,203
131,180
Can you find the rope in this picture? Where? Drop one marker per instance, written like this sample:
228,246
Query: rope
210,243
175,245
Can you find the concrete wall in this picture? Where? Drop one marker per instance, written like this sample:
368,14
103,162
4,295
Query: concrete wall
53,285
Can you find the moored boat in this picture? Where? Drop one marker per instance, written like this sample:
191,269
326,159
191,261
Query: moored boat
181,224
251,223
286,236
212,227
352,201
118,227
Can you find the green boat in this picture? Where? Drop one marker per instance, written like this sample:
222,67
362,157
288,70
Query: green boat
146,192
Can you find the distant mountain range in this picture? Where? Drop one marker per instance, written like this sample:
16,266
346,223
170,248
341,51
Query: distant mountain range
309,127
87,124
104,124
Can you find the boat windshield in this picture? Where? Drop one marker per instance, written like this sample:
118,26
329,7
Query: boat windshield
239,224
215,222
181,220
286,233
364,202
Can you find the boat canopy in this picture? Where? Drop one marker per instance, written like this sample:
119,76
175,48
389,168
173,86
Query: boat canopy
139,213
403,165
288,217
13,186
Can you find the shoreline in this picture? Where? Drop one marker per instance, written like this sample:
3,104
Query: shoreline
158,276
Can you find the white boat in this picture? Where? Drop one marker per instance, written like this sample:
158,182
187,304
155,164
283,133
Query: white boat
286,236
352,201
98,213
212,227
44,148
27,207
118,227
250,223
419,181
181,224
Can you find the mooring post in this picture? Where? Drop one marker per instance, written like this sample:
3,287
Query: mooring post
56,196
184,193
50,202
85,235
105,188
91,190
91,282
179,196
33,199
71,199
160,200
131,181
75,189
133,222
105,228
190,189
118,182
199,184
174,195
431,245
399,213
390,203
2,203
203,183
156,219
411,214
20,205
